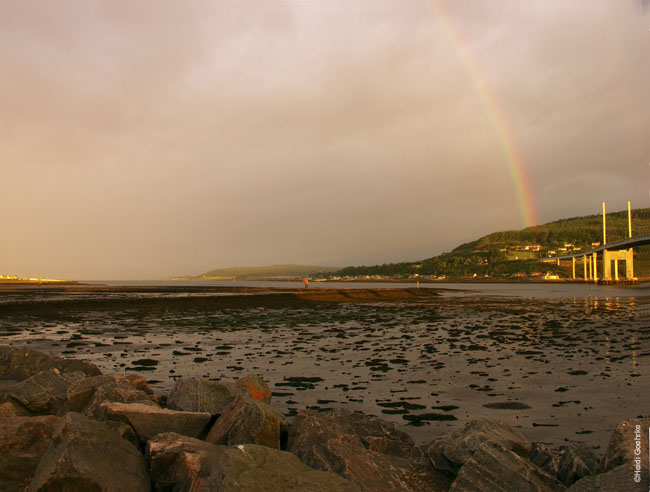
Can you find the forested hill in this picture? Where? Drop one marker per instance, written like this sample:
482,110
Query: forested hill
272,272
508,254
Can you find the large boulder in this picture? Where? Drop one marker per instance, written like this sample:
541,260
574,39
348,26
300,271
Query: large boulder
86,455
450,451
255,386
148,420
182,463
20,363
493,468
621,478
628,442
44,392
248,421
373,433
202,395
331,442
81,392
23,440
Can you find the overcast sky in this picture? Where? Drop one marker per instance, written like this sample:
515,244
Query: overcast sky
143,139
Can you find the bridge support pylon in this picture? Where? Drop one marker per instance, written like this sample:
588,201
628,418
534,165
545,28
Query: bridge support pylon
573,265
626,255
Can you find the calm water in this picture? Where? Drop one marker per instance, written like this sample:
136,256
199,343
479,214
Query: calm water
558,361
533,290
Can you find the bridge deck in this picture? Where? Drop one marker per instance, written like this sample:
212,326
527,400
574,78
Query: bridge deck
631,242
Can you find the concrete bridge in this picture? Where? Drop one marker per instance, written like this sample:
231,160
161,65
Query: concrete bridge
612,254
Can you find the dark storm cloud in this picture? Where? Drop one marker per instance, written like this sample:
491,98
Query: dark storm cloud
145,139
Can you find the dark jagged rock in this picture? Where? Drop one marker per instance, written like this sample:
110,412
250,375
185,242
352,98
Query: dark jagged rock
587,454
148,420
545,457
80,393
256,387
86,455
182,463
561,462
20,363
202,395
23,440
450,451
618,479
621,448
572,467
248,421
44,392
329,441
493,468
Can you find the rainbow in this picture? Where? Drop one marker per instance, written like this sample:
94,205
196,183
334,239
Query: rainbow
514,161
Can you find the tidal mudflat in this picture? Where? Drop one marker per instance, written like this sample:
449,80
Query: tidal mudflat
557,369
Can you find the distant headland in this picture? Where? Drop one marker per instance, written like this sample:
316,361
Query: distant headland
272,272
16,280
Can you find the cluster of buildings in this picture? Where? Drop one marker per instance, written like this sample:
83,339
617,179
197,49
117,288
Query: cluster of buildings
567,248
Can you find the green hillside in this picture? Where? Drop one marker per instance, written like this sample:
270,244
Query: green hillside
513,254
272,272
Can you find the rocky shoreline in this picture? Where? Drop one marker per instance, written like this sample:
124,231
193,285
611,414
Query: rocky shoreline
66,426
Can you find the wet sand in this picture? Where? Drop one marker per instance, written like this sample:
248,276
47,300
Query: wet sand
558,369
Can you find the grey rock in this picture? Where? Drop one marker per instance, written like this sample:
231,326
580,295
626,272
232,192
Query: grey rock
247,421
450,451
373,433
546,457
20,363
120,391
587,454
493,468
622,445
81,392
86,455
182,463
44,392
23,440
327,441
202,395
572,467
149,420
617,479
565,463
